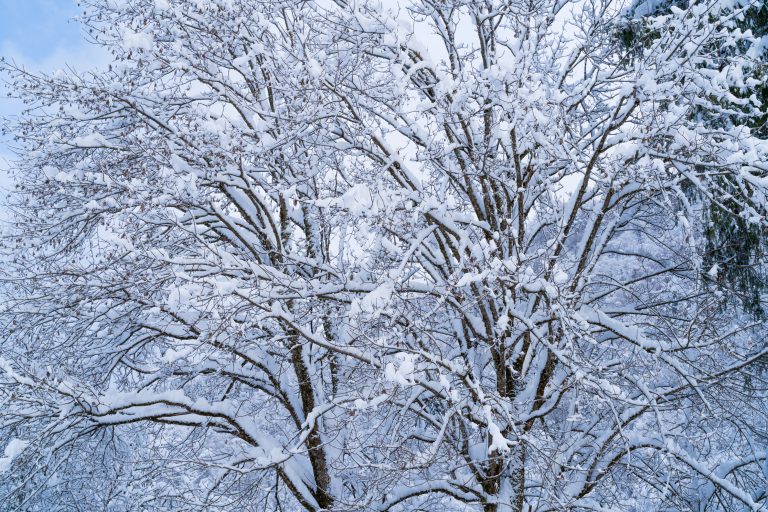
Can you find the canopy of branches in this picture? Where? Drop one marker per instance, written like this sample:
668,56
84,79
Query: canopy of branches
437,255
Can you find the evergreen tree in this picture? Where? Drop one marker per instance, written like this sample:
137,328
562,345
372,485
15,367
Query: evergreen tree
735,247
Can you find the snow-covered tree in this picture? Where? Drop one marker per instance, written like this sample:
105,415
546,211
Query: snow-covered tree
427,255
733,243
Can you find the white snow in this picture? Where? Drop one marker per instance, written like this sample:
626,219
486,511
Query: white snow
137,40
13,449
403,373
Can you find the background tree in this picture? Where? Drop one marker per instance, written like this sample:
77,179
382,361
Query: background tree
735,246
297,255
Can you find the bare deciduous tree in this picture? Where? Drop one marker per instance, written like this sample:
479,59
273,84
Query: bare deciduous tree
327,255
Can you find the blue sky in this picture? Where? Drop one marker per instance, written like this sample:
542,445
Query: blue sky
41,35
37,29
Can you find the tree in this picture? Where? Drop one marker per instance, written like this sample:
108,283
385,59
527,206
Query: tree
733,244
303,255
